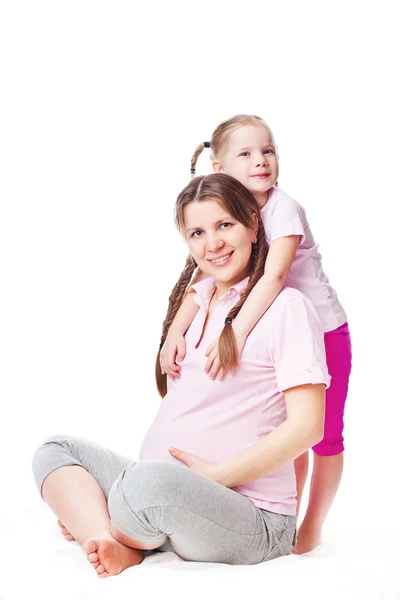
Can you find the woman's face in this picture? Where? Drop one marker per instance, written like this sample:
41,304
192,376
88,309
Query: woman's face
220,245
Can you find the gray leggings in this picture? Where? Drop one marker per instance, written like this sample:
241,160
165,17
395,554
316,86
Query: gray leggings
203,520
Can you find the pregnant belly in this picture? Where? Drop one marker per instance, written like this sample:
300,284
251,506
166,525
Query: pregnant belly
208,440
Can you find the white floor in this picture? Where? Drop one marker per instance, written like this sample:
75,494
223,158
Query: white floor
36,562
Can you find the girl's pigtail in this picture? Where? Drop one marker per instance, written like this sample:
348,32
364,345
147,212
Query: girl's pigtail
196,155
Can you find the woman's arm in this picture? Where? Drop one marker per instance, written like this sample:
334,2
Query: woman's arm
303,428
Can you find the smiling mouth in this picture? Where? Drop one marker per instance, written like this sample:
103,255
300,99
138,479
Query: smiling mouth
221,259
262,175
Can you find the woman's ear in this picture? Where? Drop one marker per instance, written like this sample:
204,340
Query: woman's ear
216,166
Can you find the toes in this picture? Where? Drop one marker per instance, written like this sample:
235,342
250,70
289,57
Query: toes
95,565
100,569
90,546
67,534
93,557
65,531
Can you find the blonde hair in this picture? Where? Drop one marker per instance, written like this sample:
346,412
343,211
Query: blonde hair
220,137
240,203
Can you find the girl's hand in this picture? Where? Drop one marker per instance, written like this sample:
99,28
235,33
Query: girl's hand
206,468
213,366
174,349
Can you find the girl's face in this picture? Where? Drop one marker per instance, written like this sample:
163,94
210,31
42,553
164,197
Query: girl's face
220,245
251,158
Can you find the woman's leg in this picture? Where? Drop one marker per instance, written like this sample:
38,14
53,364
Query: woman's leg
328,454
74,477
77,499
203,520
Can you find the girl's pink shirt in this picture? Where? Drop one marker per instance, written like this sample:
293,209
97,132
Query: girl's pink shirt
283,216
217,419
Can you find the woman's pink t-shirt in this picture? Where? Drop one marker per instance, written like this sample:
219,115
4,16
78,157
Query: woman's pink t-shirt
283,216
217,419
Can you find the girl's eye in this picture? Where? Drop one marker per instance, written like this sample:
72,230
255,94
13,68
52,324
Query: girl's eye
269,151
246,153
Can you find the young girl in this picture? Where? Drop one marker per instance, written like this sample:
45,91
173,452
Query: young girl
244,147
236,503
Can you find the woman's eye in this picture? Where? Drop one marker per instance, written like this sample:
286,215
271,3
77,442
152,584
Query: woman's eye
196,233
225,225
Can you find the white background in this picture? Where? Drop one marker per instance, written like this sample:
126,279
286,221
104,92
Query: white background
102,105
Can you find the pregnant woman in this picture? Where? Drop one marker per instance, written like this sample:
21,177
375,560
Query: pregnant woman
215,477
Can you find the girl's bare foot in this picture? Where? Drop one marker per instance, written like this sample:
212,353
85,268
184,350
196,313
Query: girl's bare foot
65,532
307,539
109,557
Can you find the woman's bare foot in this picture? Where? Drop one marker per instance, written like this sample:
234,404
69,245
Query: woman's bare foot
109,557
307,539
65,532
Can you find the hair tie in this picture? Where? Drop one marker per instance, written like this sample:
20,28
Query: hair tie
206,144
228,321
193,171
161,345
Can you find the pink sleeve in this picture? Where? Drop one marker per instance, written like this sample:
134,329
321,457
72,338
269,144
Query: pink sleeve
286,219
298,347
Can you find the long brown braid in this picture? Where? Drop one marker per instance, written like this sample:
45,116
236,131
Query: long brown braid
174,302
227,348
239,203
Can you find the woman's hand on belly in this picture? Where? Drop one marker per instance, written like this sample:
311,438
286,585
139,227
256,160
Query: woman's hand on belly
206,468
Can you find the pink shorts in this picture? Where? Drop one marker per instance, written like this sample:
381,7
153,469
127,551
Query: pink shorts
338,359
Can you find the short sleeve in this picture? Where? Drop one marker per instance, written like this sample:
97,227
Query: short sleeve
298,347
287,219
